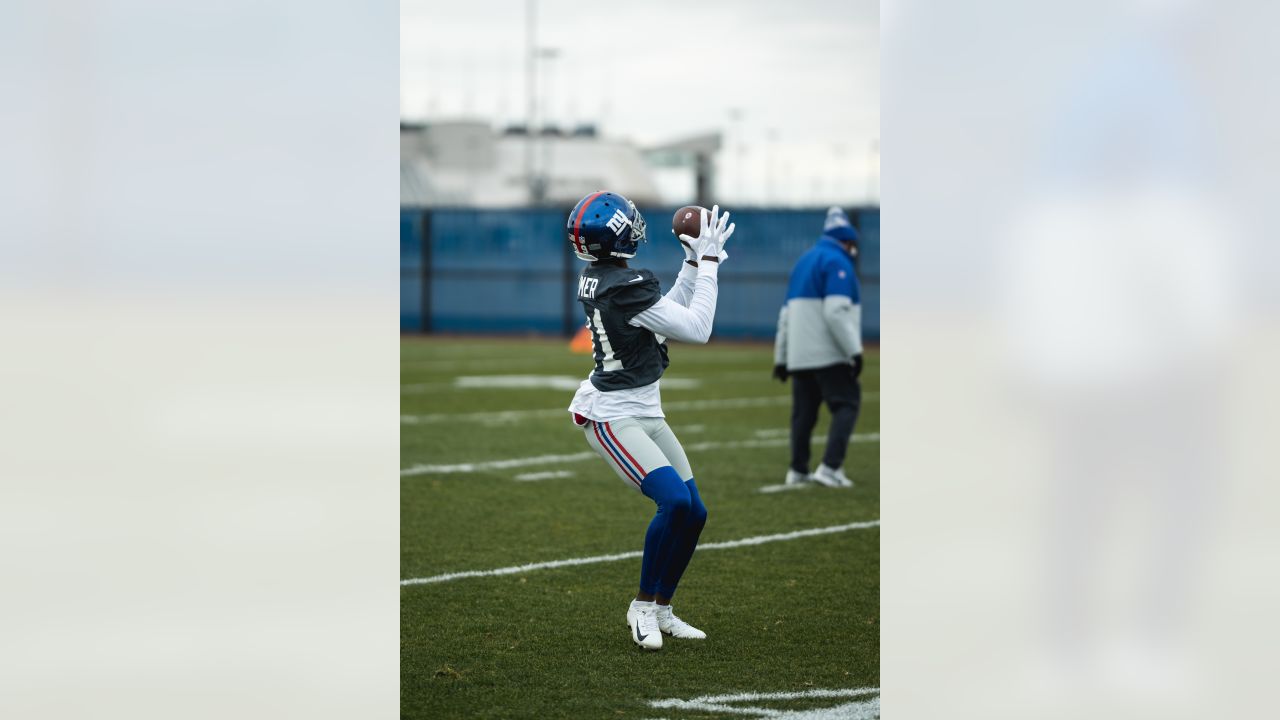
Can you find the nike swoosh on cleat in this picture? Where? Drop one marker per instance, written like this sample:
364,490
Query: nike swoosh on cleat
639,637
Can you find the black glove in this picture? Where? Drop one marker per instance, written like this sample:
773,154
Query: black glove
780,372
857,366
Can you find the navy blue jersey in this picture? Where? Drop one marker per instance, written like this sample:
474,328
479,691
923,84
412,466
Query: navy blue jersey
626,356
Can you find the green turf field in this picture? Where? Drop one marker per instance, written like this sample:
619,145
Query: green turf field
794,617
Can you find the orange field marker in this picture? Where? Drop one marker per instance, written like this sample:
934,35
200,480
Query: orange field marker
581,343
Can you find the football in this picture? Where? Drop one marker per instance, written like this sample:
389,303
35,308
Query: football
687,221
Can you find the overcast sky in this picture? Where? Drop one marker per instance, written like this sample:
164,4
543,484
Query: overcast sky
804,74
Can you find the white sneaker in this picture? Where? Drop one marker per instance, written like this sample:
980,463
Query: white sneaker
795,478
642,618
831,477
675,627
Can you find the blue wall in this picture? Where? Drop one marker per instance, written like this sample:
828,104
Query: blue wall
465,270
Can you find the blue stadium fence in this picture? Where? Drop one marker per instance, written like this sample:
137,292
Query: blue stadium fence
466,270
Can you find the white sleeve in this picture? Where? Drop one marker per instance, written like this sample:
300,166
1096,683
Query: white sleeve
687,324
844,320
682,292
780,341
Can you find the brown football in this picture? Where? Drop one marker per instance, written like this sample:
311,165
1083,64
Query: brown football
687,221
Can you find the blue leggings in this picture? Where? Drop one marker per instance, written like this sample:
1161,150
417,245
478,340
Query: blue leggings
673,532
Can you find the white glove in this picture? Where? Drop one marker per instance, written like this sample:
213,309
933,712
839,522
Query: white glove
690,255
712,236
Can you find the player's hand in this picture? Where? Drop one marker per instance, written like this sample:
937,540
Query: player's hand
857,366
714,231
723,230
780,372
718,228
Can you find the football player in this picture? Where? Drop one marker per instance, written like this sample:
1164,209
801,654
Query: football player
619,407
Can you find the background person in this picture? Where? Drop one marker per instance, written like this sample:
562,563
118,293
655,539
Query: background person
819,346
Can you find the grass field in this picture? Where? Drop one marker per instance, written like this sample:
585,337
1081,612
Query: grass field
792,624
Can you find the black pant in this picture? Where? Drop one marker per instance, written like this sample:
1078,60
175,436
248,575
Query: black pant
836,386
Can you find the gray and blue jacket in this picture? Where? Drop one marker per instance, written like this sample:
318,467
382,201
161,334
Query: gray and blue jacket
820,323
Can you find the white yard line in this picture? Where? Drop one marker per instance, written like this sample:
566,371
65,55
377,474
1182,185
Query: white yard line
546,475
744,542
492,417
773,433
856,710
510,463
517,382
495,464
787,488
756,697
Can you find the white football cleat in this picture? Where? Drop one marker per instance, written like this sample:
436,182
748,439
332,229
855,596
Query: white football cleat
642,619
831,477
796,478
675,627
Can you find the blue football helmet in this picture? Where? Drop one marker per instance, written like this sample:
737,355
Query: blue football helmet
604,224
